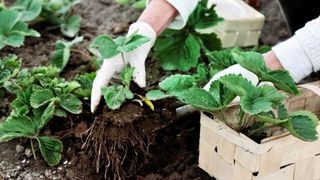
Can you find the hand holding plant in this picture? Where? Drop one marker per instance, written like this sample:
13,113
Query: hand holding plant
116,54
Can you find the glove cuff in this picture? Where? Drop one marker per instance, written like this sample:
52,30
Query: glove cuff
143,29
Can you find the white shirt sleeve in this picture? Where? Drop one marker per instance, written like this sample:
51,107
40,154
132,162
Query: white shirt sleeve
185,8
300,55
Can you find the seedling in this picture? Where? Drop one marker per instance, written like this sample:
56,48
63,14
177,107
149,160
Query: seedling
40,95
181,49
61,55
105,48
12,30
258,103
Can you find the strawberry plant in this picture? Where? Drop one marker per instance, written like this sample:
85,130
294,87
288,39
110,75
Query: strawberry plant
54,12
181,49
61,55
12,30
256,103
40,95
105,48
138,4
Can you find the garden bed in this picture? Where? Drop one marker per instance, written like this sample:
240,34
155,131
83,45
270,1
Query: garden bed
169,147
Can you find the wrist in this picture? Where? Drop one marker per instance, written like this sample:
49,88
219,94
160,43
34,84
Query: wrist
159,14
272,60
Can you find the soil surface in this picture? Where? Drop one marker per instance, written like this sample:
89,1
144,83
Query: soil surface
166,149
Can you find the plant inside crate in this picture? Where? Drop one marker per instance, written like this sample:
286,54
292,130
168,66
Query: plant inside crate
260,107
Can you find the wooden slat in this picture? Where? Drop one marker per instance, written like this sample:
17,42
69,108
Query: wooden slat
305,169
283,174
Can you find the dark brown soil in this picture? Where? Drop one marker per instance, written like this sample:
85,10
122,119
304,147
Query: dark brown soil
138,143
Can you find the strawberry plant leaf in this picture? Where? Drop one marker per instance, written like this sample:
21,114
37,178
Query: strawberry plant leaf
114,96
198,98
85,82
238,84
126,75
302,125
156,95
255,105
47,115
60,112
72,26
221,93
220,60
71,103
50,149
176,83
16,126
179,53
134,42
254,62
42,97
202,74
104,46
204,17
9,67
61,55
282,112
29,9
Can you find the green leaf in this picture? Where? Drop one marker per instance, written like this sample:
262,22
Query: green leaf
302,125
50,149
221,60
16,126
127,93
114,96
238,84
86,82
60,113
176,83
29,9
9,67
126,75
8,19
198,98
104,46
203,17
209,42
254,62
42,97
255,105
156,95
134,42
140,4
282,112
202,74
71,103
177,51
221,93
72,26
261,99
47,115
60,58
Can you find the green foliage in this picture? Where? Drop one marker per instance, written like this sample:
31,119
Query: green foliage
105,47
181,49
116,95
28,9
61,55
138,4
12,30
255,102
40,95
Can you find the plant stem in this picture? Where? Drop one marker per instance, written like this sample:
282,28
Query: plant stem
124,61
32,149
271,120
260,129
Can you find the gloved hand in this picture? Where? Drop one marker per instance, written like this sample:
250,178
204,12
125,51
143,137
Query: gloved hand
115,65
238,70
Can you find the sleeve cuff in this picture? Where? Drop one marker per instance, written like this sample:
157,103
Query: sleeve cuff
293,58
184,8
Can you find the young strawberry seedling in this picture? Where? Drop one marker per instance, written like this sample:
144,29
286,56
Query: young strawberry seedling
12,30
256,103
181,49
105,48
40,95
138,4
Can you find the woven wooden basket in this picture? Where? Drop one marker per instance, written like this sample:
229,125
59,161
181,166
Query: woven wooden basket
228,155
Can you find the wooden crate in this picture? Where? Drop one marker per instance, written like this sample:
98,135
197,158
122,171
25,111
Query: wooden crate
228,155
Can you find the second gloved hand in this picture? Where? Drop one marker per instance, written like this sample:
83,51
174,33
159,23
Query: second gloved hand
115,65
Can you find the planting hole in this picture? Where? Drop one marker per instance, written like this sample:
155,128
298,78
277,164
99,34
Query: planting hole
255,173
216,149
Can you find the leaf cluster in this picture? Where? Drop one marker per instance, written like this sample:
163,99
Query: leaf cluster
40,95
181,49
259,102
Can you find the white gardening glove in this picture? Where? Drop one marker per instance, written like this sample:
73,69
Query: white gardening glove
115,65
238,70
